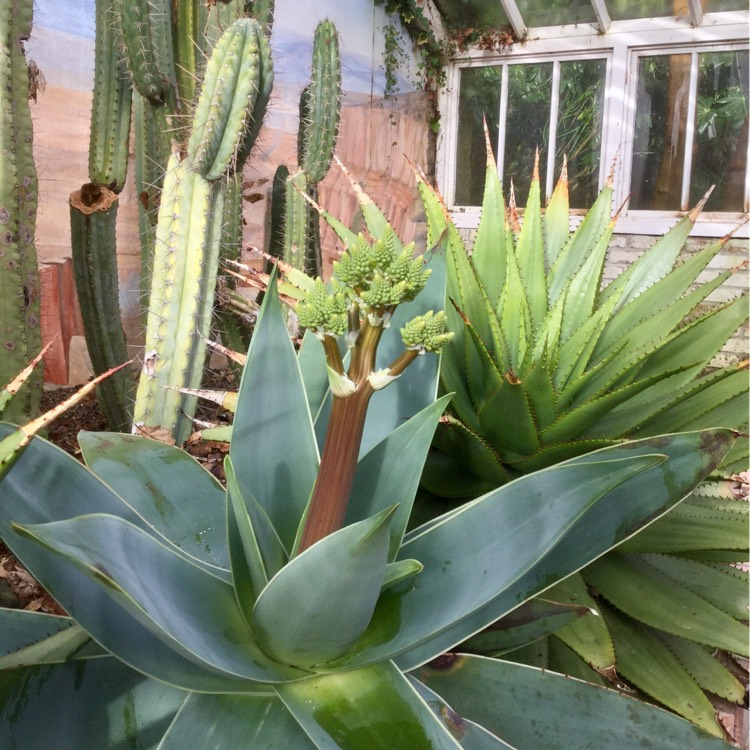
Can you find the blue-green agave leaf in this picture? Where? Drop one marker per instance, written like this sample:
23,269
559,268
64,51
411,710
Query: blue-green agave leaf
192,611
611,520
315,607
371,707
166,486
273,412
94,703
228,722
480,550
386,474
533,708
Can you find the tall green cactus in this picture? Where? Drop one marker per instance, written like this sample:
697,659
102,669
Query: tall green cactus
320,113
189,229
93,218
19,277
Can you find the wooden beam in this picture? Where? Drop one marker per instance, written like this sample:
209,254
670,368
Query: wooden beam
603,19
515,18
695,8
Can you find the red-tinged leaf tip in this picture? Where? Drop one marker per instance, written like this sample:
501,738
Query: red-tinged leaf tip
512,214
564,171
728,236
460,311
362,196
488,144
25,374
694,212
535,173
225,350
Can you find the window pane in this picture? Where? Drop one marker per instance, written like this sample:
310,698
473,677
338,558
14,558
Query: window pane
620,10
556,12
526,125
659,138
472,13
479,95
579,127
721,124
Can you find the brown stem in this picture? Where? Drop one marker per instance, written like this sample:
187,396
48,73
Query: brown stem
337,466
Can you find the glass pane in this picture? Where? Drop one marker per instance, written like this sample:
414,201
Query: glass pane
556,12
620,10
526,126
471,13
721,125
659,138
479,95
715,6
579,127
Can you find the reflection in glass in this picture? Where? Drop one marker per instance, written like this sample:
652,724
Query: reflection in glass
619,10
579,128
556,12
479,95
472,13
526,126
721,125
659,138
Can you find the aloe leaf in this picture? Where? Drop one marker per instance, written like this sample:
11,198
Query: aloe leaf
435,209
488,262
664,294
193,612
470,736
371,707
167,487
540,392
332,588
531,708
705,402
653,265
507,537
35,638
616,517
470,451
580,419
557,218
582,290
646,662
224,722
574,253
514,313
375,489
531,621
587,636
724,586
273,411
641,591
562,659
697,525
445,477
717,398
548,455
707,671
118,704
530,254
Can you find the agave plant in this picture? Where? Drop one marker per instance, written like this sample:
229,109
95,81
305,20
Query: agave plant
547,364
292,607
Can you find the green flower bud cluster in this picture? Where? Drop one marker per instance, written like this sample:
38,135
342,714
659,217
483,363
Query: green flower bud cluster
379,274
426,333
324,310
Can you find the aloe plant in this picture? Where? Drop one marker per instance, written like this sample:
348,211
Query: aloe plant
19,275
292,606
547,364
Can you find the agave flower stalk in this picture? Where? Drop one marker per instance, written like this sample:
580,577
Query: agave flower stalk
370,280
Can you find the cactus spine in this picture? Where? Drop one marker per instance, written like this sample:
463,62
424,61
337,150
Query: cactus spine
320,113
19,276
189,232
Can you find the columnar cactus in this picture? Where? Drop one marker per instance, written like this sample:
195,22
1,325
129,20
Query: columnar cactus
320,112
93,217
19,277
190,225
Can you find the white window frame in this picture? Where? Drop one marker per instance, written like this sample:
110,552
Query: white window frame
622,45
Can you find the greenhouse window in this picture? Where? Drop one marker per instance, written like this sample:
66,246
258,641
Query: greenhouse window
662,100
